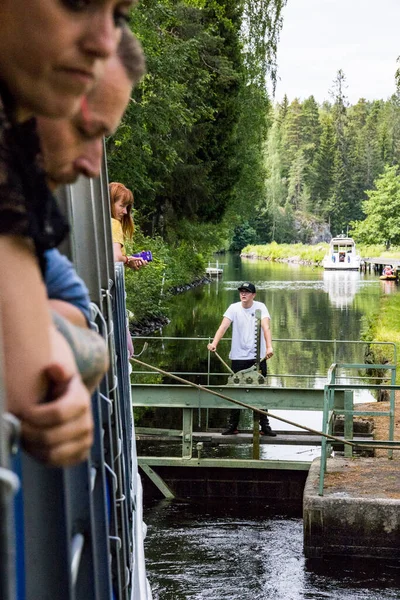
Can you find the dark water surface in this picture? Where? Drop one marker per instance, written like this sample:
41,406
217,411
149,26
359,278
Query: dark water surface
221,552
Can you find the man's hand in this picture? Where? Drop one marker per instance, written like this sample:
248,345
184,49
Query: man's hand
212,347
269,353
60,432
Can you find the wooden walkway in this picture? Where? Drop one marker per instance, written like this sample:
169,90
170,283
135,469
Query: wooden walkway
294,438
377,264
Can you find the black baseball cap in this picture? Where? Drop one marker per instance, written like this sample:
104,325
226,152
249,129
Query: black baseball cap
249,287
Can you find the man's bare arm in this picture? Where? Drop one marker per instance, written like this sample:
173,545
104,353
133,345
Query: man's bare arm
225,323
89,349
69,312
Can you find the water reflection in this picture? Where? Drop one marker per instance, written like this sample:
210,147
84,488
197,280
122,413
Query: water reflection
227,551
303,303
341,287
389,287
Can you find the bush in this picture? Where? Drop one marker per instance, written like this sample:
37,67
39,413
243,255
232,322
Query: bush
148,290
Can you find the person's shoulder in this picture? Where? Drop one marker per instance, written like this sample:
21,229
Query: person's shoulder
235,305
116,231
232,308
56,264
261,306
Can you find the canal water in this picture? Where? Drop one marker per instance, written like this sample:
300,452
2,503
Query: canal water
246,552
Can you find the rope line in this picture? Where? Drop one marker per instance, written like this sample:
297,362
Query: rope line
262,412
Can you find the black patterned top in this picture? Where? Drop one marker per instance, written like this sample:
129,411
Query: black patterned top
27,207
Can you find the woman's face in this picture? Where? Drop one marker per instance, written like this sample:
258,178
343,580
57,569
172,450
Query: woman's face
121,208
52,51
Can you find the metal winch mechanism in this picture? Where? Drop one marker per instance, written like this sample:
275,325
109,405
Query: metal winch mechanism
249,376
252,375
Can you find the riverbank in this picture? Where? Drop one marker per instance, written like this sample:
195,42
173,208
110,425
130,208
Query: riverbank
288,253
383,325
308,255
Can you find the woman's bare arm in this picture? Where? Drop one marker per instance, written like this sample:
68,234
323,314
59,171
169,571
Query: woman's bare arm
133,262
118,256
39,365
25,324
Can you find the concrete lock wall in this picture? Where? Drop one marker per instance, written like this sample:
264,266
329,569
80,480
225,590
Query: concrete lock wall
339,524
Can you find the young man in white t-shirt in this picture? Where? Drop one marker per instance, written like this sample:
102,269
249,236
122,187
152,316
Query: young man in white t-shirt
243,348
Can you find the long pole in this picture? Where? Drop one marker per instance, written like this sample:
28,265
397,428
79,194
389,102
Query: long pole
224,363
243,404
259,410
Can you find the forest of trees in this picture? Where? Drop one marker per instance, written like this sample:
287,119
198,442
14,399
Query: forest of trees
212,162
191,143
322,160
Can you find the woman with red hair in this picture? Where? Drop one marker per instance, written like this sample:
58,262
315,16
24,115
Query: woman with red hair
121,202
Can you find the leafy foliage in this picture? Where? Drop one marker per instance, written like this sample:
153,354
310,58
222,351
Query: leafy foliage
191,144
382,209
322,160
201,107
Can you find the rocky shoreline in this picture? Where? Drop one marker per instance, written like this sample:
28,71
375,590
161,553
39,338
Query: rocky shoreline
150,325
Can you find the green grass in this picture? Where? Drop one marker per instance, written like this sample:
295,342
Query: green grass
383,325
311,254
389,319
276,251
387,328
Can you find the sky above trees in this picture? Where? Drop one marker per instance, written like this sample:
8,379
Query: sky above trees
319,37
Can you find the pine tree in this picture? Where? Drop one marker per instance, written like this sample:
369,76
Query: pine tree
340,201
297,183
291,135
275,184
322,171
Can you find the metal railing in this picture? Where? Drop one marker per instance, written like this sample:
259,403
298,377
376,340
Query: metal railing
81,534
349,411
339,347
259,397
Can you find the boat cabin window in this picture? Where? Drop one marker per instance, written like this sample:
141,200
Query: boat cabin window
342,248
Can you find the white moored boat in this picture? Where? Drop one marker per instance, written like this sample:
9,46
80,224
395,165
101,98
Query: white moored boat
342,255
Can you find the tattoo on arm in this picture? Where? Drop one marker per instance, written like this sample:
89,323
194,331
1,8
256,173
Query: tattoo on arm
88,347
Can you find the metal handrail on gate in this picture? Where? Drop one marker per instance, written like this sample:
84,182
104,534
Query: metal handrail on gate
330,406
331,411
336,345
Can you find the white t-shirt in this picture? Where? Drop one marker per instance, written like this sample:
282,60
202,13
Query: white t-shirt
243,345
